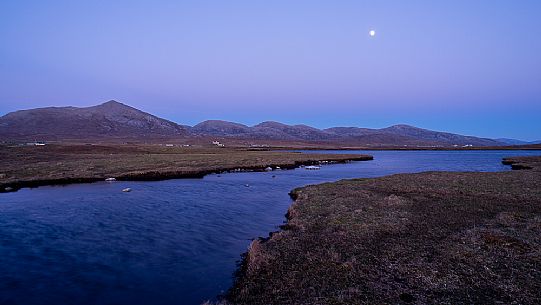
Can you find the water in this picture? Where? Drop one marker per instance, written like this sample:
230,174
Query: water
166,242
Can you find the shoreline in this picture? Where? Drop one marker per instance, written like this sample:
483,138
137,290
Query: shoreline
263,261
517,163
157,175
391,148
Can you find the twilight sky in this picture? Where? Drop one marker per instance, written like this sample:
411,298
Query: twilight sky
470,67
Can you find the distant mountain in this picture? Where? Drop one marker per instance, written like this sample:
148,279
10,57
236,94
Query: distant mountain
110,119
116,120
409,135
378,137
439,137
275,130
265,130
517,142
220,128
513,141
394,135
351,131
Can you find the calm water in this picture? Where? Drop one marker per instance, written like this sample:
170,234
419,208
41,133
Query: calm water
166,242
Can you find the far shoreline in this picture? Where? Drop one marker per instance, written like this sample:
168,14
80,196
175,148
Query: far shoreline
147,164
505,148
151,173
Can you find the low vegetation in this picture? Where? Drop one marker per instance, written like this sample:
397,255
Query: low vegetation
22,166
427,238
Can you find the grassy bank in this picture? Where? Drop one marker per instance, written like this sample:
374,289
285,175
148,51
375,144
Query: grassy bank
29,166
435,237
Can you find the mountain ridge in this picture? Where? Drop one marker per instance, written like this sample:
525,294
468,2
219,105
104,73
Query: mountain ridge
113,119
517,142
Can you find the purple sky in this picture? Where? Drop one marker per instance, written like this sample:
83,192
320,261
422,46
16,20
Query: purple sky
471,67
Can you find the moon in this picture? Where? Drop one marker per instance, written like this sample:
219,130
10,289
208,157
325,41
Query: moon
372,33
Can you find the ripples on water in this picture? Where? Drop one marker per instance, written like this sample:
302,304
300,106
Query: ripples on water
166,242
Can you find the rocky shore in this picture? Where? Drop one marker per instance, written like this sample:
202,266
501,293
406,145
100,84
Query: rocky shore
65,164
426,238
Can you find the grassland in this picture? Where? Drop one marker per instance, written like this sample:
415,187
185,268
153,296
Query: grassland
29,166
427,238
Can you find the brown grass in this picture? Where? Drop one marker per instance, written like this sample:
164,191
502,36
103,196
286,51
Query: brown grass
39,165
428,238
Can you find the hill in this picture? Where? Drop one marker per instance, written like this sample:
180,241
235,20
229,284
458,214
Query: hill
110,119
390,136
114,120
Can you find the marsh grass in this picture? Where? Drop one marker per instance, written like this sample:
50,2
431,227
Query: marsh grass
57,164
427,238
